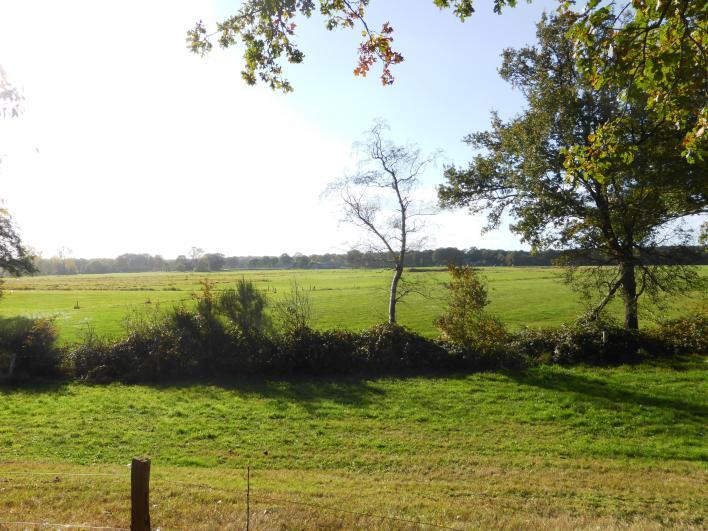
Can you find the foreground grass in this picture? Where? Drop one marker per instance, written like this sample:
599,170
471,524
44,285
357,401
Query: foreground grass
352,299
548,447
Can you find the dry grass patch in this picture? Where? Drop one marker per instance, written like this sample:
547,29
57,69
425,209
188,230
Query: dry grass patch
539,495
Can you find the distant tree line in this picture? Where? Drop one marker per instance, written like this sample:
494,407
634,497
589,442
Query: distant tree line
442,257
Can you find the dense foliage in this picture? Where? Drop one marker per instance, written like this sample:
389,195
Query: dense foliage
15,258
28,349
652,47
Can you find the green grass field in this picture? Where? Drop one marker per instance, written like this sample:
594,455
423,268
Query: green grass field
353,299
544,448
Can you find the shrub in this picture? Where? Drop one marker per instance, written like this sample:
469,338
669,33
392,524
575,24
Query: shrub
209,347
225,336
465,359
28,349
245,307
149,352
91,360
294,311
592,341
206,302
309,351
390,347
597,341
465,323
685,335
535,344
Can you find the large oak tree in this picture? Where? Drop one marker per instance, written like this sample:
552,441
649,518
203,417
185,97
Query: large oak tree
617,211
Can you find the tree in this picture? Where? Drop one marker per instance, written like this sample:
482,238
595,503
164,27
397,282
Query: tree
300,261
216,261
245,307
181,263
448,256
159,263
266,28
615,215
202,265
285,260
465,322
15,259
657,47
379,198
355,258
195,253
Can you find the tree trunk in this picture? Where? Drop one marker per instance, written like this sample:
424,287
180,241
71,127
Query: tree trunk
394,288
629,296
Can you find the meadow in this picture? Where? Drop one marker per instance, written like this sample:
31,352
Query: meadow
548,447
352,299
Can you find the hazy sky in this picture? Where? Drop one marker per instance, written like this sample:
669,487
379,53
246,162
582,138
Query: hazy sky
129,143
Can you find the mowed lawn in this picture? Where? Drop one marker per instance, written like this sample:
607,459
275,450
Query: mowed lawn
544,448
353,299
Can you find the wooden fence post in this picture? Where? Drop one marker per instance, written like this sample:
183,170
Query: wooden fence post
140,495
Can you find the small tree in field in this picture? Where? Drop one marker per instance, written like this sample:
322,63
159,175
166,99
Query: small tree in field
245,307
465,322
379,198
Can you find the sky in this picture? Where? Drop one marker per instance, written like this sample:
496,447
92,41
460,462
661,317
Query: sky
130,143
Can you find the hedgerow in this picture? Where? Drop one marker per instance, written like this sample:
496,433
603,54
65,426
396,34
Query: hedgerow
214,339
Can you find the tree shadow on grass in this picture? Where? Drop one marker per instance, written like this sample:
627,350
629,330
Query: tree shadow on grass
608,394
34,388
312,392
309,392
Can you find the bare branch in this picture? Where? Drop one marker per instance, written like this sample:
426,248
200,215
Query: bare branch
380,198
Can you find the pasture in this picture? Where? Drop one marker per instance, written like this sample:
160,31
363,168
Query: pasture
547,447
352,299
543,448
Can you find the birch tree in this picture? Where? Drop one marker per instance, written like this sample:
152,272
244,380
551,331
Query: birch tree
379,197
